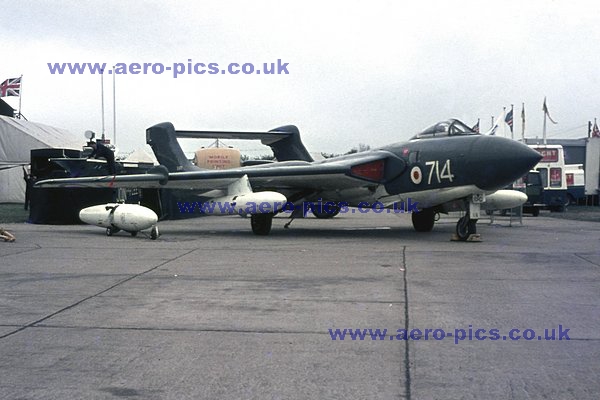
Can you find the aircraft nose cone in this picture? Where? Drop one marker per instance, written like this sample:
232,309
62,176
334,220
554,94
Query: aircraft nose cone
500,161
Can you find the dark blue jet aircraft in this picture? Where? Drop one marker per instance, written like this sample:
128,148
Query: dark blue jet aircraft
446,167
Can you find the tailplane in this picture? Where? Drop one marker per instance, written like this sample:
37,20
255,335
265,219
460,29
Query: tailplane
284,141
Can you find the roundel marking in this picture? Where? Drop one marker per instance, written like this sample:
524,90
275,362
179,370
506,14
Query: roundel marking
415,175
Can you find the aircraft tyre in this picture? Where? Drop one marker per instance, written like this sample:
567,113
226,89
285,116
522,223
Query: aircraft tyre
261,223
327,213
466,227
423,220
111,231
154,234
133,234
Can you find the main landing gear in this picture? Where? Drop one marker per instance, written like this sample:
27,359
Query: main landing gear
466,227
423,220
325,210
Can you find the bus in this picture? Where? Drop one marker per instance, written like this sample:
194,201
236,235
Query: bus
553,173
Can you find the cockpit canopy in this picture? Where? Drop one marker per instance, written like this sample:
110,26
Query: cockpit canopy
451,127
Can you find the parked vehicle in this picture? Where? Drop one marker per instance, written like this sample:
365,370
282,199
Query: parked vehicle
575,177
552,173
532,185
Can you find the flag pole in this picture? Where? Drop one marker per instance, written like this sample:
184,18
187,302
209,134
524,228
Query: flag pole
102,99
512,131
20,95
114,108
545,114
504,118
523,123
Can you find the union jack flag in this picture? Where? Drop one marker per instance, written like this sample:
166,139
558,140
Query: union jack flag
10,87
595,130
509,119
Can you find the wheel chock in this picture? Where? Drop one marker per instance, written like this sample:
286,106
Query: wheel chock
474,237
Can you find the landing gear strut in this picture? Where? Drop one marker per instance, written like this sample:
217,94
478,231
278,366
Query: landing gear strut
297,213
111,230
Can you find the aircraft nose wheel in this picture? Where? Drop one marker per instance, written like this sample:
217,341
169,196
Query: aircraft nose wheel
466,227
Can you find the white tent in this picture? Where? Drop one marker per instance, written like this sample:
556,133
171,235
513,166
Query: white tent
17,138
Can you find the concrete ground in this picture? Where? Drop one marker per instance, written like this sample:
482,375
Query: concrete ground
210,311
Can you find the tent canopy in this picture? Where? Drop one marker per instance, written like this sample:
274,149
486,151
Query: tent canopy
17,138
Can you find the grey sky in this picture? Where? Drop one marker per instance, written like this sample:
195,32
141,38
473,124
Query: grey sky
360,72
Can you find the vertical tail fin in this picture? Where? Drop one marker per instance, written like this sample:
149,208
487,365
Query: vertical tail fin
163,140
289,147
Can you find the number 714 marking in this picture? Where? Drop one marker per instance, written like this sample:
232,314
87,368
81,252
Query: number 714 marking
435,167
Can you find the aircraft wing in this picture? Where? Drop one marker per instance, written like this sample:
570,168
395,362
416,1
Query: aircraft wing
150,180
358,171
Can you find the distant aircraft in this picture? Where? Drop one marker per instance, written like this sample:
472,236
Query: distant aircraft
444,168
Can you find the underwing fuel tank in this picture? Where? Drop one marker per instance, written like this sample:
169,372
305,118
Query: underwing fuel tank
114,217
503,199
248,203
